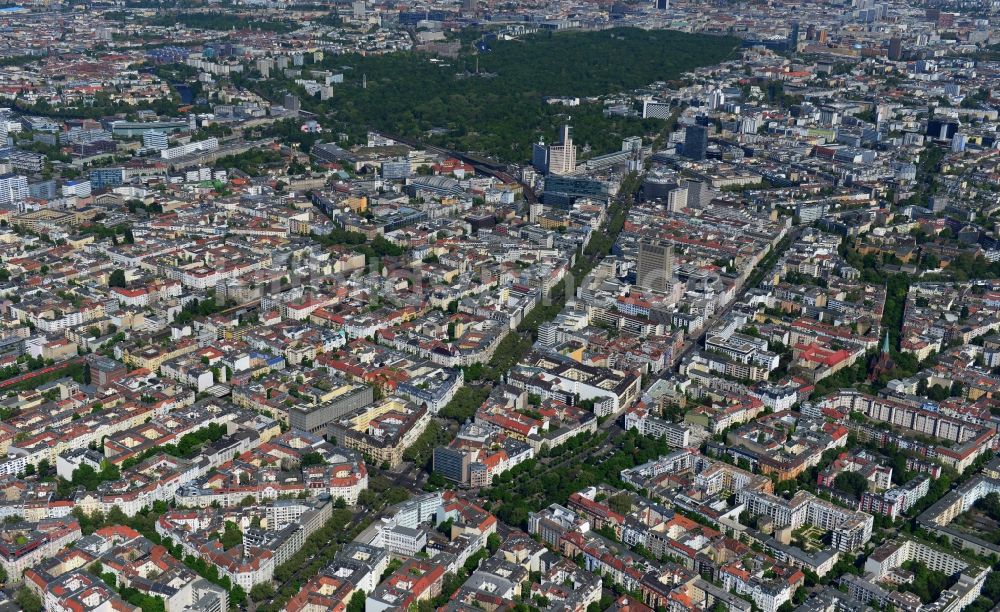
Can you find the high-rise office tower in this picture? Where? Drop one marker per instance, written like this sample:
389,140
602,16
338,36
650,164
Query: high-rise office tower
699,193
360,9
562,156
895,48
540,156
292,103
716,99
662,5
677,199
793,37
695,142
655,266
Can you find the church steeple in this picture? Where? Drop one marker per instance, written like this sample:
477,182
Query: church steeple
882,362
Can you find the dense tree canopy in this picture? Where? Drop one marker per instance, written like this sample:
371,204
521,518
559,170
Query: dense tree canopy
222,21
502,109
852,483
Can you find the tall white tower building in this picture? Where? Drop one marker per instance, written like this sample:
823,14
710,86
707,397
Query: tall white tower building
562,156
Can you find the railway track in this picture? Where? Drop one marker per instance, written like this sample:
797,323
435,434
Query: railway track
482,165
10,382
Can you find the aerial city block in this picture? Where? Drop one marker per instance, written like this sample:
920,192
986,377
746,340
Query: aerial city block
503,306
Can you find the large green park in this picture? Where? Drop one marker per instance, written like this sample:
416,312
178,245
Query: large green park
501,109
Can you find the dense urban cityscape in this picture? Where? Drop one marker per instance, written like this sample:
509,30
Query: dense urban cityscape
587,306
